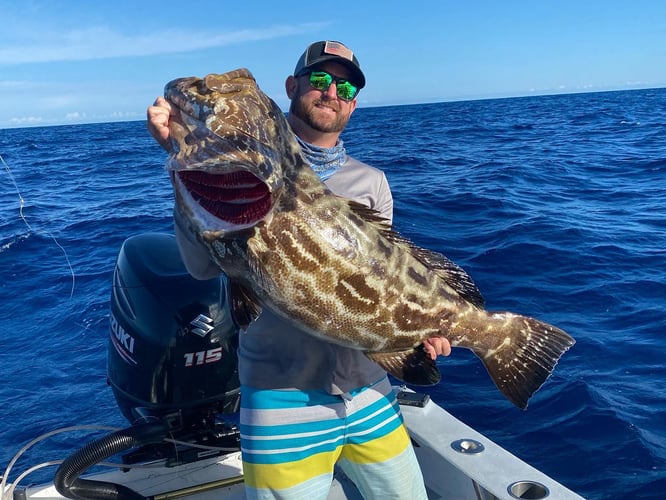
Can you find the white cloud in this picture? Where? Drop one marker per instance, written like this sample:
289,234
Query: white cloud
25,120
126,115
101,42
75,116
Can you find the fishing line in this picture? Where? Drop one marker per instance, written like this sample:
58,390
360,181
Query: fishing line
22,216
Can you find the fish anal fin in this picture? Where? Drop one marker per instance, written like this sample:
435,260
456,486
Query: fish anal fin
413,366
526,358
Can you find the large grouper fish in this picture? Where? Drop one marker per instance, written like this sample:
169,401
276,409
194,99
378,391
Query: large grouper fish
330,266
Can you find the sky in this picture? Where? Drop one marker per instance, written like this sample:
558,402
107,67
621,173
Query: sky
76,61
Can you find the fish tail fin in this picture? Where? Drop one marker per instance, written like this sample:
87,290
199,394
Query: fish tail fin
413,366
525,357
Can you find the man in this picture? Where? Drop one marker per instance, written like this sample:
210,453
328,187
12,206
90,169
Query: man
307,404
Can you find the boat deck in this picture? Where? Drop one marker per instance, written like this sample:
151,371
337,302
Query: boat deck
457,463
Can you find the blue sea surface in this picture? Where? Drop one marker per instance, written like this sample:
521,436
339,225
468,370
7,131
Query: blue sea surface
555,205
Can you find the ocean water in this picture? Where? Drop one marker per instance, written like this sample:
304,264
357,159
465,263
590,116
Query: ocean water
555,205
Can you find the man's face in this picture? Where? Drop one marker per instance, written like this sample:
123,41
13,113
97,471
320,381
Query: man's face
322,110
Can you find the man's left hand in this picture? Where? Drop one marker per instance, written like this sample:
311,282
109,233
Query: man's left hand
437,346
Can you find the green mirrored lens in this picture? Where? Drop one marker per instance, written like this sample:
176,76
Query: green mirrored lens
321,80
345,90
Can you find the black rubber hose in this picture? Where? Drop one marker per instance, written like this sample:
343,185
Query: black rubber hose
67,481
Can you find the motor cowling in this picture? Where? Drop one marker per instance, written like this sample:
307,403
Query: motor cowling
172,341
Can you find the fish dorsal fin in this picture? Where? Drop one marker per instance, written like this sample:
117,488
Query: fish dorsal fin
452,274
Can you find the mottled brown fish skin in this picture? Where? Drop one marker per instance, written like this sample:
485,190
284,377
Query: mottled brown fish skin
331,266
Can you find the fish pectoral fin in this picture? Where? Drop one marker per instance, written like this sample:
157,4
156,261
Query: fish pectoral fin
413,366
244,305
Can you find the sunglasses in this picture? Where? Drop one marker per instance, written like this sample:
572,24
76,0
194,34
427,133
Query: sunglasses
321,80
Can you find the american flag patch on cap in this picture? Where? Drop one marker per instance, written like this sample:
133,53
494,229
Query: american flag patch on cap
337,49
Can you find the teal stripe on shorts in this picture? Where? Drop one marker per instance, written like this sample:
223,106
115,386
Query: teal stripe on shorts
317,422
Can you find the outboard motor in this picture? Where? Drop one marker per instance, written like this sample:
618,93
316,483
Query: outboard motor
172,340
171,364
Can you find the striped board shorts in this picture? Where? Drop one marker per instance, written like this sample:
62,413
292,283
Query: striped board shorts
291,441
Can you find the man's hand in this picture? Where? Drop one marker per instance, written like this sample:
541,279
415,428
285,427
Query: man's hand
437,346
158,121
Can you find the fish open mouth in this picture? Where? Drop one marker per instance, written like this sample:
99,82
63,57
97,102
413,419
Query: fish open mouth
236,197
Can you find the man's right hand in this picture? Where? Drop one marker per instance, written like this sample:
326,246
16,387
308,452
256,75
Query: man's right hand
158,121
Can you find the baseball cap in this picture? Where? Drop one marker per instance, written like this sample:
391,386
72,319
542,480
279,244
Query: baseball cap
320,52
